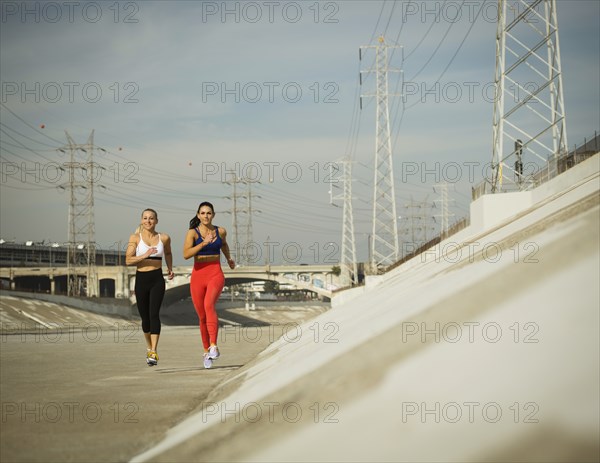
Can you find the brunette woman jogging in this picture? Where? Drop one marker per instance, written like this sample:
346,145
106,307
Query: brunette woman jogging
146,250
205,242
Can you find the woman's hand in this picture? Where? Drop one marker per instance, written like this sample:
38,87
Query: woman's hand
211,237
231,263
150,251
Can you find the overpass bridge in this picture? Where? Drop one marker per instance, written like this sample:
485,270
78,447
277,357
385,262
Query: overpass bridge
118,281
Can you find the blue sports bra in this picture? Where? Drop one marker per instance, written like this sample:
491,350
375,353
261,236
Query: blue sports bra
212,249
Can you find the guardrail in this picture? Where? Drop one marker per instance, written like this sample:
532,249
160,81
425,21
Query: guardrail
551,169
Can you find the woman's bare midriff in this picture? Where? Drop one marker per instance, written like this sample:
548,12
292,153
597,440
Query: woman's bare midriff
147,265
207,258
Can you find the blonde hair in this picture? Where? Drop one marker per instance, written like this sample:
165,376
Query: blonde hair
139,227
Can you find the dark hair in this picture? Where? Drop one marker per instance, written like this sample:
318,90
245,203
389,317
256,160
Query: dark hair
195,220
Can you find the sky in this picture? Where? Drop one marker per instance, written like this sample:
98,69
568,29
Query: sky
180,94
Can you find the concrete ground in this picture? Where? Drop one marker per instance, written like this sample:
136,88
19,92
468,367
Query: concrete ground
75,386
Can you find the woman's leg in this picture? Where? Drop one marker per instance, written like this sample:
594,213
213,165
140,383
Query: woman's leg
157,294
142,297
198,292
215,285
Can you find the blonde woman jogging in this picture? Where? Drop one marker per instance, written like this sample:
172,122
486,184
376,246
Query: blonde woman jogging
146,250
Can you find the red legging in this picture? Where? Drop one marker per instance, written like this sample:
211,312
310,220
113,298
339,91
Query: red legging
206,284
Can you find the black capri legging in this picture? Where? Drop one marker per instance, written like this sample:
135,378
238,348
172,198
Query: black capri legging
149,293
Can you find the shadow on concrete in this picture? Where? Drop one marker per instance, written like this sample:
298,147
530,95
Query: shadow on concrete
182,313
199,368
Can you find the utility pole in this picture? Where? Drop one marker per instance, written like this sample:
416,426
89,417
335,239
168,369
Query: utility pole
442,189
529,114
384,243
418,223
81,250
251,211
241,226
348,265
234,211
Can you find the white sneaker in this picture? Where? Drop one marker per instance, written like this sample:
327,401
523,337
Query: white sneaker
207,360
213,352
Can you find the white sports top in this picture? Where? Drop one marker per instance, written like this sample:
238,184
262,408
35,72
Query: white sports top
142,248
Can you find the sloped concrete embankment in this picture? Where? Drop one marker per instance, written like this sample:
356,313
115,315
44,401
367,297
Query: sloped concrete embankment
24,314
104,306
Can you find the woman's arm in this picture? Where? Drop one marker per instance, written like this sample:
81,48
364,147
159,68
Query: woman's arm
130,257
168,255
189,250
225,248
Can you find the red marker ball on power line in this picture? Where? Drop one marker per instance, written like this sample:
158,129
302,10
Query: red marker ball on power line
42,126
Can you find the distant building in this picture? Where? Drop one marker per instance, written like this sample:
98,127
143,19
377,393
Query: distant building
32,254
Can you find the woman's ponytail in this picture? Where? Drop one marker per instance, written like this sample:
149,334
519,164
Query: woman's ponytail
194,222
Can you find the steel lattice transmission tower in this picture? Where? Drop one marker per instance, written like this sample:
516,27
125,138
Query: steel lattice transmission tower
418,224
384,241
248,222
241,251
247,258
234,212
348,266
81,250
445,214
529,125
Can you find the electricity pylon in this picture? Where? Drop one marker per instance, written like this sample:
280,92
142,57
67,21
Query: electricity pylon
81,250
241,250
442,188
529,124
384,242
417,224
348,266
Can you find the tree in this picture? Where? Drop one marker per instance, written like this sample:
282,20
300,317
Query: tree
271,286
336,270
